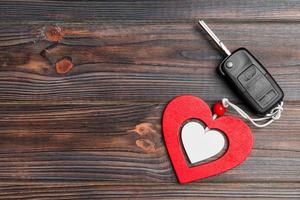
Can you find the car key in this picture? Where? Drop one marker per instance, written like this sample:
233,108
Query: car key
248,76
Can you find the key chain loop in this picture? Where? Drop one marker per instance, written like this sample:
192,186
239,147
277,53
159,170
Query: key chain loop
274,114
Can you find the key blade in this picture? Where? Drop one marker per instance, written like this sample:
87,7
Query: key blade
214,37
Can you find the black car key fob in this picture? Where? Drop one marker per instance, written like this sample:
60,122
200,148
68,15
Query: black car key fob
248,77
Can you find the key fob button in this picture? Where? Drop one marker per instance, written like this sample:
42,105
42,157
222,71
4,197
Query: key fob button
258,87
267,98
247,75
229,64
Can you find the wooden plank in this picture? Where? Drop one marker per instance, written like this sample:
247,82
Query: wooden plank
83,86
66,11
121,142
109,190
149,63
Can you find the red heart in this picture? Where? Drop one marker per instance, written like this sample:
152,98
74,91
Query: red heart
238,134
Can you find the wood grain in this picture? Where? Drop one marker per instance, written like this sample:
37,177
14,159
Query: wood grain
124,141
83,85
110,190
152,64
74,11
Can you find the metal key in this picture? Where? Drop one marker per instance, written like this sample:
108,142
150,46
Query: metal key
248,77
214,37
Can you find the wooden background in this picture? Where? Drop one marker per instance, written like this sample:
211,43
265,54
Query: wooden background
83,85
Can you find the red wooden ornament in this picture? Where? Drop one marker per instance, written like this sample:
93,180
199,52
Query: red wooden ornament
237,132
219,109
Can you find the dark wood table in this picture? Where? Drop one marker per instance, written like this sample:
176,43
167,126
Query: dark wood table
83,85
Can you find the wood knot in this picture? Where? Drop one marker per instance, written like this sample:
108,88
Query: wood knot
144,129
147,145
64,65
54,33
149,139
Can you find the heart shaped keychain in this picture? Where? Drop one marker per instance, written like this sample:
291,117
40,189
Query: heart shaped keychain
182,135
193,135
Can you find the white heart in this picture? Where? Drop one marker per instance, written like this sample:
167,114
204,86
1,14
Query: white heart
201,144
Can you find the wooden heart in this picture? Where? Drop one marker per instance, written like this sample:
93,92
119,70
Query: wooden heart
238,134
199,143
